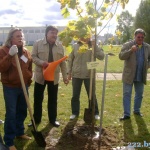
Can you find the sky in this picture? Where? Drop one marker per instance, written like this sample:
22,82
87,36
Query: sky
40,12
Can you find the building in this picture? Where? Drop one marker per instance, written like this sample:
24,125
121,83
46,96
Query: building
34,33
31,33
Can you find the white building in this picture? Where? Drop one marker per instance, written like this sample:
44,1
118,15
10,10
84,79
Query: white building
31,33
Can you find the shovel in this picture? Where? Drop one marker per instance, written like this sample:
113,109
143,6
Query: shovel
37,135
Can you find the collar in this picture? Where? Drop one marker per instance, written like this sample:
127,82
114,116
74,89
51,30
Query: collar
45,42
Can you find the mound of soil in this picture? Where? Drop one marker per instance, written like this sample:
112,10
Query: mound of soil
82,137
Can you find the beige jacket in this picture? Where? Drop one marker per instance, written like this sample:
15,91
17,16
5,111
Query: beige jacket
40,54
77,62
129,58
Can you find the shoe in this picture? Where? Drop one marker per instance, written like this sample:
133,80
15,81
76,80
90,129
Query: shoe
72,117
24,137
97,117
138,113
12,148
55,123
30,124
124,118
1,121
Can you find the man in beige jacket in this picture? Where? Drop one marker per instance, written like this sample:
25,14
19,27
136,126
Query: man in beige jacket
45,51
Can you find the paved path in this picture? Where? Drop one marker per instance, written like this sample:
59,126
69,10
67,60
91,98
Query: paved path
113,76
110,76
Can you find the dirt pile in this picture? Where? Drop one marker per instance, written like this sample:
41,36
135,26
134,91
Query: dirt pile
81,137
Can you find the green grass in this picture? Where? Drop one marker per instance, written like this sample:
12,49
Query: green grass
136,130
115,65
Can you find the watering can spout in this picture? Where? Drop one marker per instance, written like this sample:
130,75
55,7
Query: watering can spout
48,73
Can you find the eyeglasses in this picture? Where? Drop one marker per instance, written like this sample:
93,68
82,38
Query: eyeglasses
140,37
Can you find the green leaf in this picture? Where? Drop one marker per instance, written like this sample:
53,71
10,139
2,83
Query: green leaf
107,1
91,22
72,4
65,12
99,24
103,9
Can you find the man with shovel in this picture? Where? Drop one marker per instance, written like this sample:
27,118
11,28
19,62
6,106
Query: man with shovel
15,103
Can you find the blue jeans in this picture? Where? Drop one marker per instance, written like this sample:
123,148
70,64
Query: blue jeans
127,92
75,101
16,112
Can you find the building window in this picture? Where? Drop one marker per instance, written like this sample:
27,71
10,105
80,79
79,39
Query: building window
25,31
43,31
31,31
37,31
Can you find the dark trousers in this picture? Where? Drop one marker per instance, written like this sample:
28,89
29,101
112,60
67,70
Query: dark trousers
76,89
52,91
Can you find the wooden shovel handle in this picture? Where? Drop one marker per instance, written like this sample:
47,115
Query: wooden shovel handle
24,88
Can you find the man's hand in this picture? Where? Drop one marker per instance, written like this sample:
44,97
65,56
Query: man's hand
69,76
66,81
134,48
13,50
45,65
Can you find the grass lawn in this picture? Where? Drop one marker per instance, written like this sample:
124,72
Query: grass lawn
136,130
112,67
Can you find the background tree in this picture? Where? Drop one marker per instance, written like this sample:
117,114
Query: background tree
125,26
142,18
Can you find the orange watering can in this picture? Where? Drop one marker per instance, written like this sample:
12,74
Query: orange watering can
48,73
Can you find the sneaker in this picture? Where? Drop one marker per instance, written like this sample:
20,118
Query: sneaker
72,117
97,117
1,121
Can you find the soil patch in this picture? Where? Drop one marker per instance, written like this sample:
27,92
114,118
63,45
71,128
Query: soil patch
81,137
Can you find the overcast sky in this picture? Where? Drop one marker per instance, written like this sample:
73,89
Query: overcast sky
39,12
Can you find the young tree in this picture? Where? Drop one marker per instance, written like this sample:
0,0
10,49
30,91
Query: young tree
92,17
142,18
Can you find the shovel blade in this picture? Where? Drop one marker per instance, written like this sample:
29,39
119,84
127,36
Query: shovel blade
88,115
39,138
